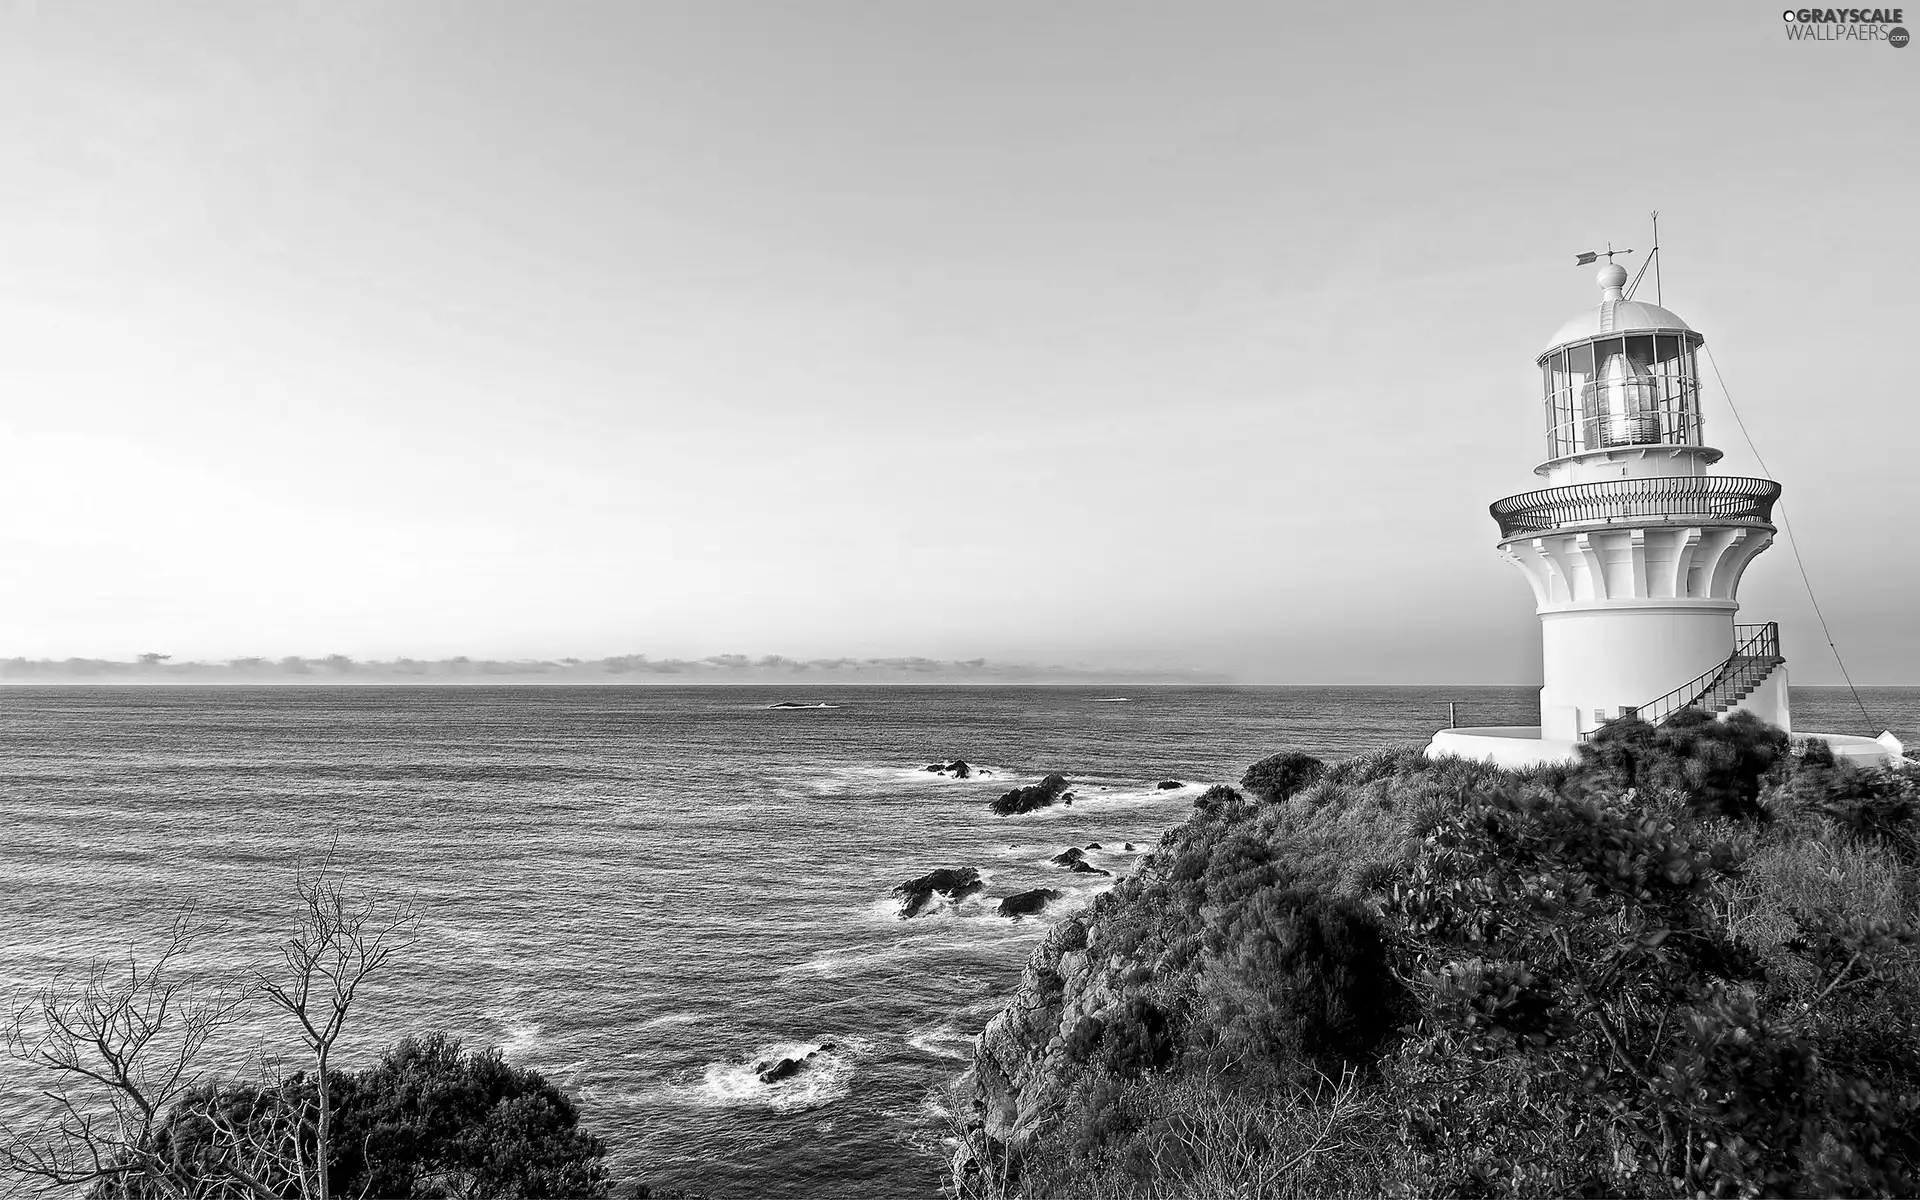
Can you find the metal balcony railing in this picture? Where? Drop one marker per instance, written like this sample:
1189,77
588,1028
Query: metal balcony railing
1667,500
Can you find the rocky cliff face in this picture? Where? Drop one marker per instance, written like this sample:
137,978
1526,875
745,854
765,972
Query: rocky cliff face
1019,1059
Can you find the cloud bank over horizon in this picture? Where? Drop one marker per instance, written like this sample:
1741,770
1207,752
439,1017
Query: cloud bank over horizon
624,669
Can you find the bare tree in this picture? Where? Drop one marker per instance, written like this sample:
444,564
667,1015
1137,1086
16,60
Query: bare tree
115,1048
337,944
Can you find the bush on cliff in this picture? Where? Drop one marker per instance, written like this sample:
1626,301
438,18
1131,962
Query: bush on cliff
1278,776
1685,964
428,1120
1296,980
1717,764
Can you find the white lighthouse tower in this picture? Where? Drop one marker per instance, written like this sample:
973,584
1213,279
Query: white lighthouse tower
1634,548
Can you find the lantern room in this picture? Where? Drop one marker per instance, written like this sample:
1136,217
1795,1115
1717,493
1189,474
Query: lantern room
1620,377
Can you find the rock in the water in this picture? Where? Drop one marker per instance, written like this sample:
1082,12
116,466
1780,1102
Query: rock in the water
955,883
1169,784
1067,857
786,1068
1037,795
1082,867
1129,845
775,1070
1093,845
1022,904
959,768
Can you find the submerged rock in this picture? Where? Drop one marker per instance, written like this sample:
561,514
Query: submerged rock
1051,790
1025,904
955,883
785,1068
774,1070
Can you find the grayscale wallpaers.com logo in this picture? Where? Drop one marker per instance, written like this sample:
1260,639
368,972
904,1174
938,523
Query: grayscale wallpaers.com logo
1846,25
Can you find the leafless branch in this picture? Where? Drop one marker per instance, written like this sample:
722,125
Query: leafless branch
115,1046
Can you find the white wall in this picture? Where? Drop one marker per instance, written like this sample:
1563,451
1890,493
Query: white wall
1626,653
1769,700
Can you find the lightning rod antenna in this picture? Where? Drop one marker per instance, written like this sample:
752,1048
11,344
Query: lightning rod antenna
1653,256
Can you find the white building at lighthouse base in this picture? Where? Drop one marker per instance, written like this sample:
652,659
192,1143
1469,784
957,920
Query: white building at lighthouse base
1521,746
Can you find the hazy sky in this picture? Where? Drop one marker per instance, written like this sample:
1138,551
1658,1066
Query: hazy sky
1163,335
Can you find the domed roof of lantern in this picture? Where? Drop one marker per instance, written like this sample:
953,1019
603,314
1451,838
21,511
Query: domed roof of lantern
1616,314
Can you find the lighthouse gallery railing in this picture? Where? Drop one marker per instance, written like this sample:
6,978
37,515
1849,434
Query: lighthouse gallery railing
1674,499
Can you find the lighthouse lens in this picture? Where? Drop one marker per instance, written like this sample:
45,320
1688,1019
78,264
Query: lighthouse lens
1621,406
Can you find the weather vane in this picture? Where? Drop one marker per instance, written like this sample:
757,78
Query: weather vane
1589,256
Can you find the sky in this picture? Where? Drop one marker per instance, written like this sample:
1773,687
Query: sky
1174,337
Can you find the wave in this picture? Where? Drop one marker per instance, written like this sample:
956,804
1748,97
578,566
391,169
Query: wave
788,704
882,780
1096,798
944,1040
1111,700
827,1077
522,1035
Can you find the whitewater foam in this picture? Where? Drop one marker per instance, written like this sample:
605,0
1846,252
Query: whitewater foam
944,1040
827,1077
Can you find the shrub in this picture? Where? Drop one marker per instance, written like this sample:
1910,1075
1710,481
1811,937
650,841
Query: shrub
428,1120
1129,1041
1294,978
1279,776
1717,764
1581,935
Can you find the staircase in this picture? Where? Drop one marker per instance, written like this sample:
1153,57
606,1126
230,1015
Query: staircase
1756,654
1739,676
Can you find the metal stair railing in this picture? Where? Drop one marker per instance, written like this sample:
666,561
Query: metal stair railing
1756,653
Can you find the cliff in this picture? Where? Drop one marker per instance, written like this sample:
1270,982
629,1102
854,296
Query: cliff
1658,971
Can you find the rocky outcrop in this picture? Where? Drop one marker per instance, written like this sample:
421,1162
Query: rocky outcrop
955,883
774,1070
1067,857
1051,790
1025,904
1019,1059
1081,866
959,768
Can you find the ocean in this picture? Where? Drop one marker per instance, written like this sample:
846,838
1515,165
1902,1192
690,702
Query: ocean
642,891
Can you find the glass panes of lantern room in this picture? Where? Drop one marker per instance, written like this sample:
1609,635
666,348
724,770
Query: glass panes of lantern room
1632,389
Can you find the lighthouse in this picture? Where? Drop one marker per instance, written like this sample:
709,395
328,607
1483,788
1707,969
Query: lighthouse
1635,545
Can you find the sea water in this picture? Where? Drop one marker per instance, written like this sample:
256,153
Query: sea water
644,891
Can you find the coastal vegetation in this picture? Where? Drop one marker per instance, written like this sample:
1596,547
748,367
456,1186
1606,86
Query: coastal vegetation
1684,965
123,1056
